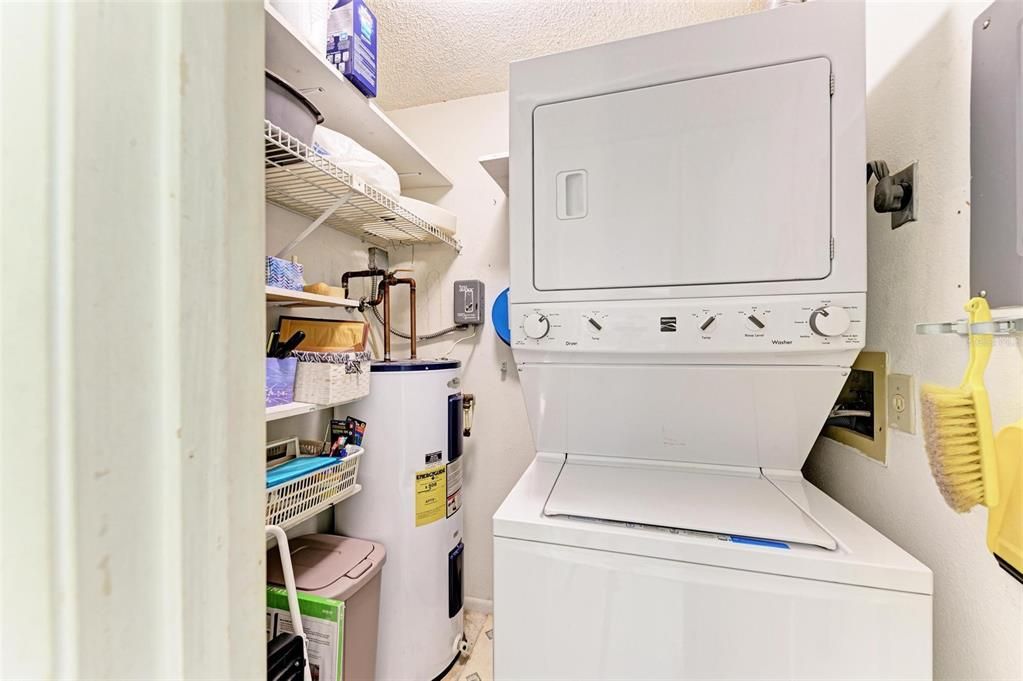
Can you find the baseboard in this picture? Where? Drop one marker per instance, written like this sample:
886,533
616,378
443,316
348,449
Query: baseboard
479,605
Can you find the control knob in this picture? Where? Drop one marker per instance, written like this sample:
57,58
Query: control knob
829,321
535,325
755,323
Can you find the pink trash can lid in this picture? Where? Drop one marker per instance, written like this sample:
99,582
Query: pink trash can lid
328,563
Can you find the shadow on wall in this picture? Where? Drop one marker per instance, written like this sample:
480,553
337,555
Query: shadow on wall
908,119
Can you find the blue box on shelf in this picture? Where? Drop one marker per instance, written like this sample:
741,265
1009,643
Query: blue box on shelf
352,44
283,273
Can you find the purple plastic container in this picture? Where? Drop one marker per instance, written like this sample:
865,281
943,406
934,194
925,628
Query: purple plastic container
280,380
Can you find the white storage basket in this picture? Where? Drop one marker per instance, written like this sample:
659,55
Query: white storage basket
332,377
296,500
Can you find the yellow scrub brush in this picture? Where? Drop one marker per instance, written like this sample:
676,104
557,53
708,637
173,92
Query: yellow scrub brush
957,427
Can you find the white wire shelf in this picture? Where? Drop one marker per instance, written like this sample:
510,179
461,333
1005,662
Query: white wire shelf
285,297
300,180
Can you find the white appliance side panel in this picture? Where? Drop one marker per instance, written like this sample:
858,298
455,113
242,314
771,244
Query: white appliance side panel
568,613
730,415
714,180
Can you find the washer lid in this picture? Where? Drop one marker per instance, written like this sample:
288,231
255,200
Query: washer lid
740,502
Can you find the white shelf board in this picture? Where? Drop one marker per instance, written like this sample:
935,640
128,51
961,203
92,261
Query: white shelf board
496,166
284,296
345,108
284,411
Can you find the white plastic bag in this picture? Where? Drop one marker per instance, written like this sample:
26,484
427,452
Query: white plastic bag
308,18
348,154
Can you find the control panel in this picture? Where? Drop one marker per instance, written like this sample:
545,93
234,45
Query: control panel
720,325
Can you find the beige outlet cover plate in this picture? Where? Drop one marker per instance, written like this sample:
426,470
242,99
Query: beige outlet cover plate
901,403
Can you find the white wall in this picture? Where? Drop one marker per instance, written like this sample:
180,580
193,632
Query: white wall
918,72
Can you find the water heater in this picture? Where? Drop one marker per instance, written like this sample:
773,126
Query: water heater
411,477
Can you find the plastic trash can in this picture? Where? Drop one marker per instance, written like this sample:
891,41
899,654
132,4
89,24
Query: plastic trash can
344,569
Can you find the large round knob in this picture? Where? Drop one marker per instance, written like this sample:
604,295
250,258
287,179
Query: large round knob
829,321
535,325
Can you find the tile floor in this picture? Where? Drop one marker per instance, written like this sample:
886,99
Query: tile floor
479,664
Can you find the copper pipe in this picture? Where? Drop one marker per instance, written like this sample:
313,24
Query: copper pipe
358,274
385,291
411,311
380,296
384,296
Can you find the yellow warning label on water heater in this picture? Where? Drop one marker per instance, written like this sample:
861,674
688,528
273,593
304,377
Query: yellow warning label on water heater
431,495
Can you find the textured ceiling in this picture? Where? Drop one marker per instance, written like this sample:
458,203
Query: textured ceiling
435,50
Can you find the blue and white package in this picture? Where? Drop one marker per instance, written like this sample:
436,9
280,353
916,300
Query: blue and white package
352,43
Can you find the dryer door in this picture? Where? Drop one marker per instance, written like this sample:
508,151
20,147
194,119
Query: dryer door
716,180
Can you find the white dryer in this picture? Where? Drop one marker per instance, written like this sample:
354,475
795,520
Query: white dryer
688,266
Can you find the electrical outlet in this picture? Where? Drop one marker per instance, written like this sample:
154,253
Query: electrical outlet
901,403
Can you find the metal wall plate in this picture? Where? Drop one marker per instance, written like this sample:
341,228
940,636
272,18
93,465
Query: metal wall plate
996,156
906,176
874,446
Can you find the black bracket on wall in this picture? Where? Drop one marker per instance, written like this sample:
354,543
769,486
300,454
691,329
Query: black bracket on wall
896,193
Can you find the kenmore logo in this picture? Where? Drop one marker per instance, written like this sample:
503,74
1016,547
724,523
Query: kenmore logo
668,324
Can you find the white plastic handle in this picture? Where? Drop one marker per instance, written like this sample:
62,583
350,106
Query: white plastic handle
571,188
289,585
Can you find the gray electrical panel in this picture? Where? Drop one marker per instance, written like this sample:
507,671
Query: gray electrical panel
469,301
996,155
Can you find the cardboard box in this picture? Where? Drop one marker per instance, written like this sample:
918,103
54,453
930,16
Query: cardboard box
352,43
323,622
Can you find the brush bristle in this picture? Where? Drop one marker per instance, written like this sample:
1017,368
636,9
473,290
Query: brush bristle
953,445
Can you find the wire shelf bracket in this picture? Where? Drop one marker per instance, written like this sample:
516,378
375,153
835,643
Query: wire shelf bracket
995,327
314,225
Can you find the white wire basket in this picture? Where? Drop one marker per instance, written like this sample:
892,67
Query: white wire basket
297,500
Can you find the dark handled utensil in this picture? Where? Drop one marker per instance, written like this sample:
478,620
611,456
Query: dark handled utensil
271,343
292,343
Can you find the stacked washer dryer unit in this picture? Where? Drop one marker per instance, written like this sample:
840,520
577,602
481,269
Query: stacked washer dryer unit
688,267
410,502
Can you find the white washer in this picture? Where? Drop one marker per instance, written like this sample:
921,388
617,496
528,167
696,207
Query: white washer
688,266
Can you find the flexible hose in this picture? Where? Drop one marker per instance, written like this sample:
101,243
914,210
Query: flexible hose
420,337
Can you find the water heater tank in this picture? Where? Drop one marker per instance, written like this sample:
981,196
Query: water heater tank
411,477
